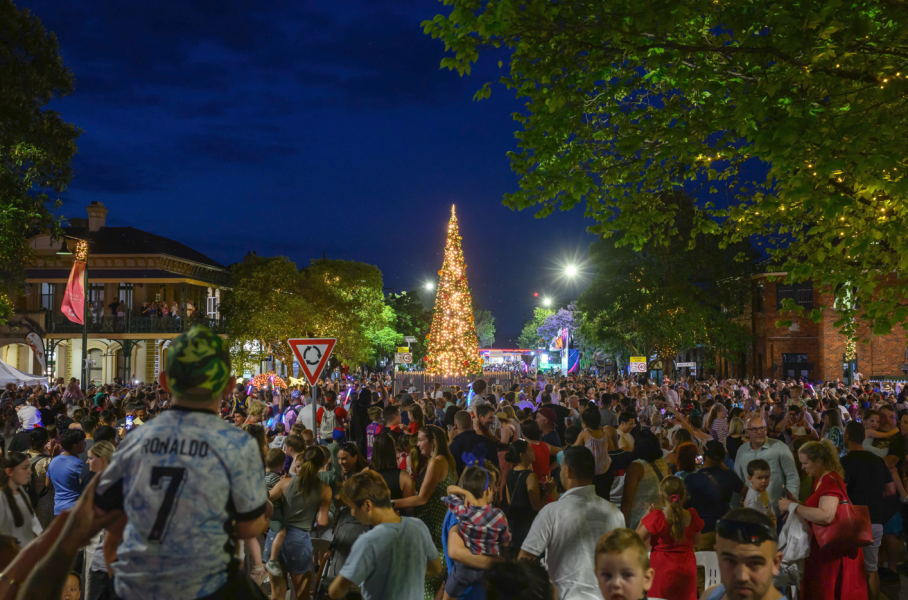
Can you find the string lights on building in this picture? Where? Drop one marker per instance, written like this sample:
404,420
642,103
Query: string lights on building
453,343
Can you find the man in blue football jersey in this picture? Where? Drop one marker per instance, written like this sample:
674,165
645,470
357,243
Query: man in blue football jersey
189,484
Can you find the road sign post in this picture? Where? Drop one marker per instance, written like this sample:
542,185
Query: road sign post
312,354
637,364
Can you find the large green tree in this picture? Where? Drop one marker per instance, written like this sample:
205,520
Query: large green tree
669,297
484,323
272,301
409,318
529,336
265,305
36,145
793,112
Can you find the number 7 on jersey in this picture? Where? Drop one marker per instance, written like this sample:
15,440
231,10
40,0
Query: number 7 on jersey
175,475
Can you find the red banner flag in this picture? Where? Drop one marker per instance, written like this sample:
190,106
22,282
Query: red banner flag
74,299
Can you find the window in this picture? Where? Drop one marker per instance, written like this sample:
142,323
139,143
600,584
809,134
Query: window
126,295
212,307
96,298
794,358
47,296
801,293
759,290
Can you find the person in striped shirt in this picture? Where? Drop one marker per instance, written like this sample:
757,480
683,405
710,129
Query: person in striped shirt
373,429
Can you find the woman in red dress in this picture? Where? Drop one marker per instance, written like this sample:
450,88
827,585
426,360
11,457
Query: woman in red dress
672,532
829,573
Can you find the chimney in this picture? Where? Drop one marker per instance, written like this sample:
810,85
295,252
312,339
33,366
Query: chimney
97,216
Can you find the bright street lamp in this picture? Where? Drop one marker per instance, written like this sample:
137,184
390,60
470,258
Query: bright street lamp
430,286
570,271
546,301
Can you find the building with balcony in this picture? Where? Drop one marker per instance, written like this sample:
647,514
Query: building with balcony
125,265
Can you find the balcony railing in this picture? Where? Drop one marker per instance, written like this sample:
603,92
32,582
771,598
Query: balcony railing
132,324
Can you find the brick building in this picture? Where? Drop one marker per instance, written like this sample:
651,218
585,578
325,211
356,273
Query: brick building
813,350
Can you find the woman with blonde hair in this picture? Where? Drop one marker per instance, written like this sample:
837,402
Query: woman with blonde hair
672,532
832,571
735,437
512,418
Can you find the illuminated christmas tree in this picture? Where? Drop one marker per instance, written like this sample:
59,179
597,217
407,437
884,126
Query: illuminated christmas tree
453,343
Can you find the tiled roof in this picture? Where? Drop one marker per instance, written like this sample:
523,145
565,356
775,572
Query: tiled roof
129,240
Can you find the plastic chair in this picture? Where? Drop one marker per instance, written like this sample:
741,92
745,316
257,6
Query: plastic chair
710,563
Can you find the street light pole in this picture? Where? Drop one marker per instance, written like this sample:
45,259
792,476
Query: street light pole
82,254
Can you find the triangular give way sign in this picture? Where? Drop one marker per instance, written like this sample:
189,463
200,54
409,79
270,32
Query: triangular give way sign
312,354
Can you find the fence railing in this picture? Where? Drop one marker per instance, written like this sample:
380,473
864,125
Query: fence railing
901,382
404,380
132,324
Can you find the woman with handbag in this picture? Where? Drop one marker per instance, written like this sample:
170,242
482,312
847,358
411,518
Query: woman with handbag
835,567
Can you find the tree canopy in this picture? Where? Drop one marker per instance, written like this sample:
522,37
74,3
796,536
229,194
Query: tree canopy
668,297
529,336
485,325
36,145
411,318
787,119
271,301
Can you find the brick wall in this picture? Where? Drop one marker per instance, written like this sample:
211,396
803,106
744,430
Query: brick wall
881,356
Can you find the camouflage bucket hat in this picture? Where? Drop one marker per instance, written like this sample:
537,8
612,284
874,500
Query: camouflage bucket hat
198,365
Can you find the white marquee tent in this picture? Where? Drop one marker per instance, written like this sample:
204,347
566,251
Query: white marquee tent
9,374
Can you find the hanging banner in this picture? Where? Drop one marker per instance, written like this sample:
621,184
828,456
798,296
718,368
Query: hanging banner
73,307
35,342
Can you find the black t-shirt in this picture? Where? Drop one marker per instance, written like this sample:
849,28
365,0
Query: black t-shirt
898,447
561,413
19,442
466,442
866,478
552,438
774,420
48,416
620,461
711,501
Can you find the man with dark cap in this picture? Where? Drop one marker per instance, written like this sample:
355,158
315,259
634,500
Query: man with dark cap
710,491
547,420
188,483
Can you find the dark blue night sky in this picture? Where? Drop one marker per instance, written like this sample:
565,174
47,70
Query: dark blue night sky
294,129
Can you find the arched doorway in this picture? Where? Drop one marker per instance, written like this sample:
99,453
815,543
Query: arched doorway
96,373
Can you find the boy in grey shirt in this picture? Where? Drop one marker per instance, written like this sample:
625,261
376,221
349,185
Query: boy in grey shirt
392,560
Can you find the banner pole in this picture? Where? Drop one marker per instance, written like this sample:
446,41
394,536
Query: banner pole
85,326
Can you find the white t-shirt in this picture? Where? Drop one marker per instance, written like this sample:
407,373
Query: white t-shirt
30,527
175,478
569,542
29,417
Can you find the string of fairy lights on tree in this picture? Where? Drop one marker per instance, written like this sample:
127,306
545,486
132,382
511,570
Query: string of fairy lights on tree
452,340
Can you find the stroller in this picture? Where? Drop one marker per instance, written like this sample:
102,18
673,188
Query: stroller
347,530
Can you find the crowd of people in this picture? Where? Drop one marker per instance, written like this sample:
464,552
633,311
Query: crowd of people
573,487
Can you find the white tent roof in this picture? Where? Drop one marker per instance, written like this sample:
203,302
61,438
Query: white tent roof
9,374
